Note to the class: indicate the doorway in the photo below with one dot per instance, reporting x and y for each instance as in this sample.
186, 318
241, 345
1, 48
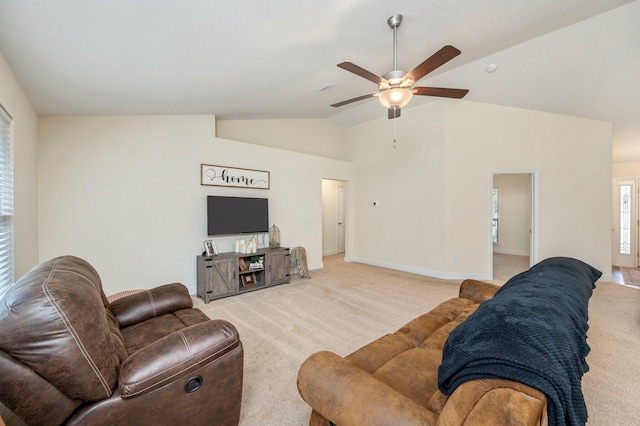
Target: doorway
513, 221
334, 214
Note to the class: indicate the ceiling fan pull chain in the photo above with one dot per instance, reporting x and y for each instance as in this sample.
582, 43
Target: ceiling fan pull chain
394, 134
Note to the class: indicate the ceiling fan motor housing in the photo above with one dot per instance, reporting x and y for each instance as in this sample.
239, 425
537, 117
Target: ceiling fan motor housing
394, 75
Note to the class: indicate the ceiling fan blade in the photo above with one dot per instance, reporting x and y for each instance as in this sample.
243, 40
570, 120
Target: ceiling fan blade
436, 60
440, 92
351, 67
393, 113
359, 98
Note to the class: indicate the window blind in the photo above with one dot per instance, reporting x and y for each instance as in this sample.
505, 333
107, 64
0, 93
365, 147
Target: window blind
6, 201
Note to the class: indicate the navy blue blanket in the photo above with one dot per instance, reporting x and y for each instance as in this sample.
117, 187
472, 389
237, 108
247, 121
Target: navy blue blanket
532, 331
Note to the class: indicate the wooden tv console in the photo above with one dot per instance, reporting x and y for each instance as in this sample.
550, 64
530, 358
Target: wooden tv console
228, 274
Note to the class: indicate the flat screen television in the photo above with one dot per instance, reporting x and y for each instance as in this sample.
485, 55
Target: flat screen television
237, 215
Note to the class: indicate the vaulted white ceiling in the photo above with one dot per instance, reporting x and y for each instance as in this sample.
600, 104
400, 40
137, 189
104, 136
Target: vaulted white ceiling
263, 59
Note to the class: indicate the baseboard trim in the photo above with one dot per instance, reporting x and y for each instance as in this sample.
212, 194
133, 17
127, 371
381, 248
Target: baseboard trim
414, 270
423, 271
314, 266
514, 252
606, 278
438, 274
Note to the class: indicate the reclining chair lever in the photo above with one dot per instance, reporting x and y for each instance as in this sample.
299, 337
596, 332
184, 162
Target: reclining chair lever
193, 384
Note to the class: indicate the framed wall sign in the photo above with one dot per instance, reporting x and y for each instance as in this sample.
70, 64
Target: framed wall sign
233, 177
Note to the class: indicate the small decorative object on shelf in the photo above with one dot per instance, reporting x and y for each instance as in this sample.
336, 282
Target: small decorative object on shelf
242, 265
249, 280
210, 248
274, 236
257, 262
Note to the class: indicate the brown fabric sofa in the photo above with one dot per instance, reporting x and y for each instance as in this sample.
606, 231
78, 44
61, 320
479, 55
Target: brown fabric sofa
67, 356
394, 379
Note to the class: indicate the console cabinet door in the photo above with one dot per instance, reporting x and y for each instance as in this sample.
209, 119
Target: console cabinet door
278, 267
216, 277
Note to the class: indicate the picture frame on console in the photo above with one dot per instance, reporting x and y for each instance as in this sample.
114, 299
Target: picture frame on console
249, 280
242, 265
210, 248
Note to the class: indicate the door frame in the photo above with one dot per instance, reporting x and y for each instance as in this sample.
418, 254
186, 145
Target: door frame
330, 206
533, 220
341, 207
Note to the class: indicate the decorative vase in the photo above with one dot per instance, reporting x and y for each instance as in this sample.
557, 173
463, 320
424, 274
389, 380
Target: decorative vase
274, 236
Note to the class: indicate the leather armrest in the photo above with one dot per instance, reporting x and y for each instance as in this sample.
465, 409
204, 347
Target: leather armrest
494, 402
478, 291
175, 356
148, 304
347, 395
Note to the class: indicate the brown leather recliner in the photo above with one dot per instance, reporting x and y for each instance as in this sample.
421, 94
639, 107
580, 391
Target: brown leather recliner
67, 356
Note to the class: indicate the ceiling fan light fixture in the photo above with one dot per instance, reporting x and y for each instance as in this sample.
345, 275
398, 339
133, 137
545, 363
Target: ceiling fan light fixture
395, 97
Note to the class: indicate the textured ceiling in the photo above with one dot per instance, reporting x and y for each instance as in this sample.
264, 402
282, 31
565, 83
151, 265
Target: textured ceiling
257, 59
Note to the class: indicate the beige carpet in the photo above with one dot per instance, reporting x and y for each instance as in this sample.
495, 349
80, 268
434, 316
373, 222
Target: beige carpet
341, 308
346, 305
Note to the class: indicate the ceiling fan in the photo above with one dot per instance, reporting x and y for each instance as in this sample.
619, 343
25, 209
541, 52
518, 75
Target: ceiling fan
395, 88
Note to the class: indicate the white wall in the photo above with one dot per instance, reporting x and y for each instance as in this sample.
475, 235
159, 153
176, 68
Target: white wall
626, 170
435, 189
405, 230
514, 213
14, 100
124, 193
572, 160
310, 136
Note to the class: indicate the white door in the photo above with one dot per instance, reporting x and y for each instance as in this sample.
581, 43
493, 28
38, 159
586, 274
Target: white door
625, 241
341, 208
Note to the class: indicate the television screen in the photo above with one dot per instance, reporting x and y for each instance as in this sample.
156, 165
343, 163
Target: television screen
237, 215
